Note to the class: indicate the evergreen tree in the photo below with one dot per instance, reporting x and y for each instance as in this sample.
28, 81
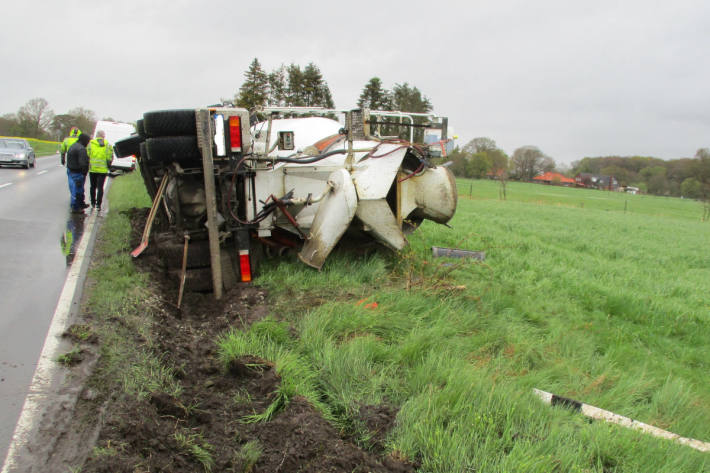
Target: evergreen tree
325, 96
294, 92
254, 92
374, 96
277, 87
315, 91
312, 79
410, 99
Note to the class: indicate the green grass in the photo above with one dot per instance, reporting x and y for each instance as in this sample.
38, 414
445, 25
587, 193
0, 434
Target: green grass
120, 293
597, 296
41, 147
71, 357
641, 204
248, 455
193, 445
576, 296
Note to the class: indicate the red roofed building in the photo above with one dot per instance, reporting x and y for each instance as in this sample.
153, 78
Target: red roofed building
554, 178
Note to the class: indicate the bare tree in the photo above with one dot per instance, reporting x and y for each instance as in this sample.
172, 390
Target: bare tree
528, 161
8, 122
61, 125
480, 144
84, 118
34, 118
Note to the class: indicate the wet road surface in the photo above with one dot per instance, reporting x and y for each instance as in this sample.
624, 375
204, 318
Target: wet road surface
37, 238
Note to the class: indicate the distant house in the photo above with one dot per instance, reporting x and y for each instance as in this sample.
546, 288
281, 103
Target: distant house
631, 189
496, 174
554, 178
595, 181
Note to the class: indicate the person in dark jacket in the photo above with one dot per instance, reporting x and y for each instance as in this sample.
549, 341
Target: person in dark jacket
77, 168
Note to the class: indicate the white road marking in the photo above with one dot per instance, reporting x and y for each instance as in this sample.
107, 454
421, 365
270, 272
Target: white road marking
41, 387
5, 185
41, 172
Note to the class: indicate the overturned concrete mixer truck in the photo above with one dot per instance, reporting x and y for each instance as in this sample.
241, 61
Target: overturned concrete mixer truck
232, 184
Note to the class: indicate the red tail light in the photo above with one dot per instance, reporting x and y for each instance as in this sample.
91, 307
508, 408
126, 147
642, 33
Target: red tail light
235, 133
244, 265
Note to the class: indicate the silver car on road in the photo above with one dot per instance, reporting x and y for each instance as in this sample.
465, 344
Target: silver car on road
16, 152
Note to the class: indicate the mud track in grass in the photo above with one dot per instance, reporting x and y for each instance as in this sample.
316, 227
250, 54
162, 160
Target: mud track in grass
202, 429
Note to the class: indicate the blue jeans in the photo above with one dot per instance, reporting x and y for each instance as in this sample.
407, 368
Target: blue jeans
71, 183
76, 186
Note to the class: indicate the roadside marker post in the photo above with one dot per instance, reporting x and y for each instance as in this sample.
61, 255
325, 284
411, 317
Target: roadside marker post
608, 416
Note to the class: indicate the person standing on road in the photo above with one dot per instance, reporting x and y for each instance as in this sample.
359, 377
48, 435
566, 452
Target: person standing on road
68, 141
100, 154
77, 168
66, 144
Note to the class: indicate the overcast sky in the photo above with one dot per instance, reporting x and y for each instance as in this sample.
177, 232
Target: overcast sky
572, 78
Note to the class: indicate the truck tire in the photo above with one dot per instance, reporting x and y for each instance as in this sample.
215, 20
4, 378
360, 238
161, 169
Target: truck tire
168, 149
128, 146
179, 122
146, 173
196, 280
198, 254
140, 128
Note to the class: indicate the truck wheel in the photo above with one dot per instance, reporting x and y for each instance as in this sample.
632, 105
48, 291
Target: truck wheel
140, 128
146, 173
169, 123
196, 280
128, 146
198, 254
168, 149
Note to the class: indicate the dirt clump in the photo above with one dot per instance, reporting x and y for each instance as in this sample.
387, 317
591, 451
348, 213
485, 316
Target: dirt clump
203, 428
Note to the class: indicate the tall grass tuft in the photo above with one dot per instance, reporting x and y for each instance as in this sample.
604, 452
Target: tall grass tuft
575, 297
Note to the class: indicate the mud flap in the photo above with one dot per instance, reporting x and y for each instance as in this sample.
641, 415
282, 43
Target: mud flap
335, 213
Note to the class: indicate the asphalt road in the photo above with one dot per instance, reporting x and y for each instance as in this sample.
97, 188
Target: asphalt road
34, 241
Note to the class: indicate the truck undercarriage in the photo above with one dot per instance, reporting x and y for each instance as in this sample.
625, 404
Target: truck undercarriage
232, 184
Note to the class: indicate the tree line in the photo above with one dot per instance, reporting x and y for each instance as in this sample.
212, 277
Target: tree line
293, 86
286, 86
481, 158
36, 119
684, 177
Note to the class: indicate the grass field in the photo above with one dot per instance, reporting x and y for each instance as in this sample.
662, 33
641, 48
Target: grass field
598, 296
41, 147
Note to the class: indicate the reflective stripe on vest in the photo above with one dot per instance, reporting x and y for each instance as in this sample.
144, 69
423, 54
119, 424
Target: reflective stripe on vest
100, 154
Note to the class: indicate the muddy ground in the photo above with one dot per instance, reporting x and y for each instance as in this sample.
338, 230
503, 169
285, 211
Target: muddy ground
203, 429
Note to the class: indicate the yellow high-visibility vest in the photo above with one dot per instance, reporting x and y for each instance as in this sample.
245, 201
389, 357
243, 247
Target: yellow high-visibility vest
100, 155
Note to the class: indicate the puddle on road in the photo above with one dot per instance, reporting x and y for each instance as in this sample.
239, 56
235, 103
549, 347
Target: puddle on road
69, 240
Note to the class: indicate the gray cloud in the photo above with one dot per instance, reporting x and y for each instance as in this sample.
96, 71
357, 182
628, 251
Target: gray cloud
573, 79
